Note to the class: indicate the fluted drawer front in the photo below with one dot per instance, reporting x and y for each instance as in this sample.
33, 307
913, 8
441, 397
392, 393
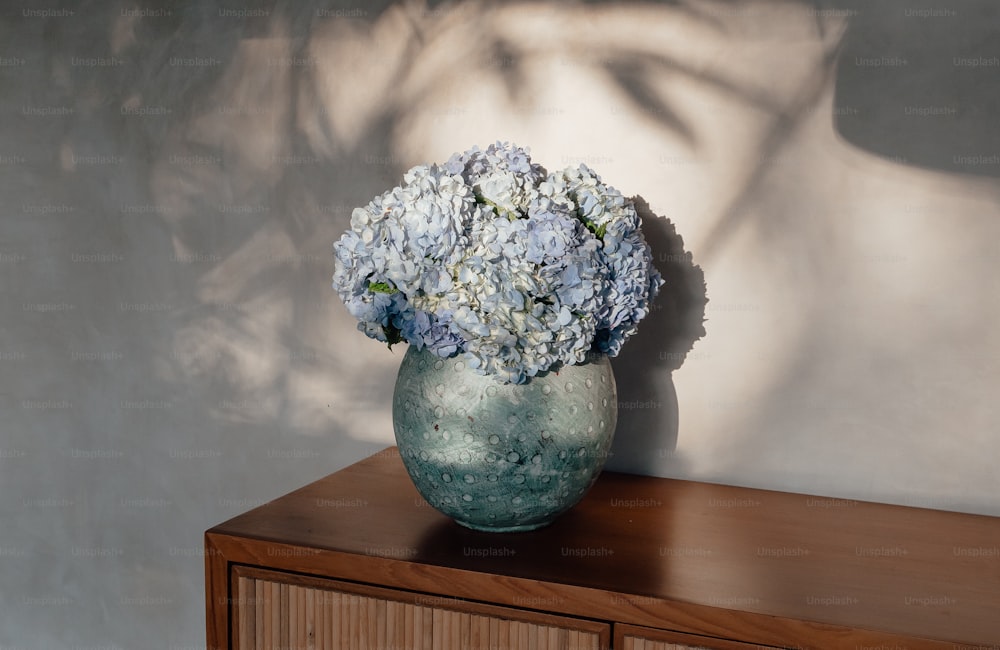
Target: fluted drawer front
634, 637
642, 643
273, 614
639, 643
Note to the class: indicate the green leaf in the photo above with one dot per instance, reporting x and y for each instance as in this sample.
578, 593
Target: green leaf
482, 200
600, 231
381, 287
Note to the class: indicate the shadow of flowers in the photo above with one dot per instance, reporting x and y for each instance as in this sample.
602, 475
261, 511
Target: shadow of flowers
647, 403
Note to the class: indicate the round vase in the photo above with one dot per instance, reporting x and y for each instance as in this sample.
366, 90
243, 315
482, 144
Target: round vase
503, 457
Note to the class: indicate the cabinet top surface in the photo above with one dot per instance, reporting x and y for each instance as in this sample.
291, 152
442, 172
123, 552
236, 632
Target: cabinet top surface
908, 570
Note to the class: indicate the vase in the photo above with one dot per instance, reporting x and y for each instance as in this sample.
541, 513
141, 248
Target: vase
503, 457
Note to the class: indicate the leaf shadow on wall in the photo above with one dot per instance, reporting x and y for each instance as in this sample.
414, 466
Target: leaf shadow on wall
280, 157
916, 83
648, 416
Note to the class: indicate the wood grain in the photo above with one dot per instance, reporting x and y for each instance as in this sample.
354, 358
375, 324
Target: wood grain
640, 638
368, 614
262, 622
274, 630
216, 597
766, 567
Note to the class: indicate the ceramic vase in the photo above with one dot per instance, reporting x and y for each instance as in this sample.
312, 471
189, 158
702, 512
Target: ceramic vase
503, 457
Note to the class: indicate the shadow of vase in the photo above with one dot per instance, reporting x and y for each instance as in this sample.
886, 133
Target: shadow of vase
648, 416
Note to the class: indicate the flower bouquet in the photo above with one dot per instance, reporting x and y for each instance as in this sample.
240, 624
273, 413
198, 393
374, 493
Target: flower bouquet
491, 258
525, 282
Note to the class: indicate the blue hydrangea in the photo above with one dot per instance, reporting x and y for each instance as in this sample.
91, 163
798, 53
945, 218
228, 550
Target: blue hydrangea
490, 258
502, 176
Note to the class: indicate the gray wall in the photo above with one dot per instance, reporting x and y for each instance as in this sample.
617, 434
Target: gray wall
173, 177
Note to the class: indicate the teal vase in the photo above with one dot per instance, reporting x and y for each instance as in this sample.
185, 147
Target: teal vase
503, 457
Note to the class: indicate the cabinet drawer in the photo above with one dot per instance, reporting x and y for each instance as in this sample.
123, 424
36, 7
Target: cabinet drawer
632, 637
272, 610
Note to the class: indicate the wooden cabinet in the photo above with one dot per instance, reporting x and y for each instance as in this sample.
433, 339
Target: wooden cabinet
359, 560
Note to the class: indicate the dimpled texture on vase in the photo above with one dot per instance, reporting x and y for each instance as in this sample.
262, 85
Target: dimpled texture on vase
503, 457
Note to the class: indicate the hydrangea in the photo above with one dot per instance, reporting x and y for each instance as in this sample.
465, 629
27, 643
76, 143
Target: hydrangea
490, 258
